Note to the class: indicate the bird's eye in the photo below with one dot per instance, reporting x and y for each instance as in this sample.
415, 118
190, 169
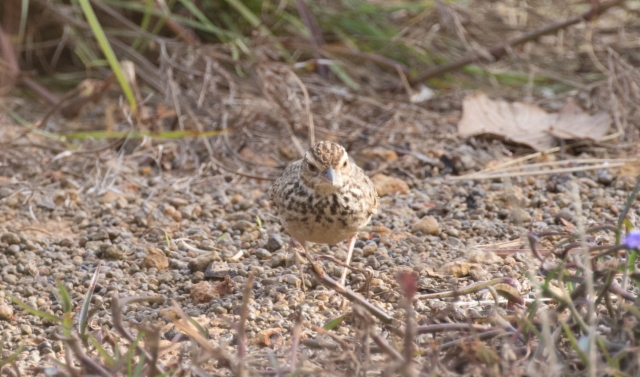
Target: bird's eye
312, 168
345, 164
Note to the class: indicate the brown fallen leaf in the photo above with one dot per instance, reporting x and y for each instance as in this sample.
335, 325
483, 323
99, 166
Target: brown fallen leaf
574, 123
529, 124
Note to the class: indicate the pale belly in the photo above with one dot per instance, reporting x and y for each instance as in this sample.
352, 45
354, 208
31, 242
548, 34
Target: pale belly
324, 231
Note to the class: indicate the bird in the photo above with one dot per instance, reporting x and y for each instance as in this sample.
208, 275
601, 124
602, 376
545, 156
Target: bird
324, 198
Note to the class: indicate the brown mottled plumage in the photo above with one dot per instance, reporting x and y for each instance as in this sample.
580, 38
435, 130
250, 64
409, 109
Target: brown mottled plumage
324, 198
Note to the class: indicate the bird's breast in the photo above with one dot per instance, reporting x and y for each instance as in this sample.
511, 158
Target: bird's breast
324, 219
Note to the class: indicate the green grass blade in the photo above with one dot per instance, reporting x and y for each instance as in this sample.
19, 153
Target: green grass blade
202, 25
138, 371
33, 311
574, 343
109, 361
101, 37
631, 266
84, 312
167, 238
220, 33
255, 22
623, 214
131, 353
24, 12
336, 321
140, 42
10, 359
204, 332
344, 76
23, 122
245, 12
83, 135
65, 299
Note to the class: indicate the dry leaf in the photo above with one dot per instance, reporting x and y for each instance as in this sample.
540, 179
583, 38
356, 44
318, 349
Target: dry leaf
574, 123
527, 123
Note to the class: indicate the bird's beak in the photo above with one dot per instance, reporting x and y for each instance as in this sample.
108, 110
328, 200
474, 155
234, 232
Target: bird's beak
332, 176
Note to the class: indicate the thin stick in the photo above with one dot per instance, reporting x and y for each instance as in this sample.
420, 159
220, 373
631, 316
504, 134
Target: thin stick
541, 153
464, 290
352, 242
442, 327
349, 294
307, 104
386, 347
246, 295
551, 163
543, 172
482, 336
295, 337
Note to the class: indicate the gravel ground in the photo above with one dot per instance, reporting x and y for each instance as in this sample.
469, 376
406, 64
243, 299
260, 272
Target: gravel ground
194, 238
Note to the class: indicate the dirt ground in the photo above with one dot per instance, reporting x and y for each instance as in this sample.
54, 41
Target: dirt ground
160, 224
465, 270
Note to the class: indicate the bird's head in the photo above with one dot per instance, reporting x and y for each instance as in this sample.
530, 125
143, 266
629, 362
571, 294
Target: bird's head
326, 167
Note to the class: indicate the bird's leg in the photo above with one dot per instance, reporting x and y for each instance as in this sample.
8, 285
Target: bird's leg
352, 243
295, 246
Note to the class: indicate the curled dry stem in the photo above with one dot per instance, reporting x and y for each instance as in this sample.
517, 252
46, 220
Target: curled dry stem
117, 308
295, 337
74, 344
183, 324
244, 310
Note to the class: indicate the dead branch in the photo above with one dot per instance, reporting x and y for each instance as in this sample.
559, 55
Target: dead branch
349, 294
497, 52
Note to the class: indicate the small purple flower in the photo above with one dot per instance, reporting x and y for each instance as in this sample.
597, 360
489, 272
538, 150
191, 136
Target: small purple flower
632, 240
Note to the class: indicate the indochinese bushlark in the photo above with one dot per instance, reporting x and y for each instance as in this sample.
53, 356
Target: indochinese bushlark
324, 198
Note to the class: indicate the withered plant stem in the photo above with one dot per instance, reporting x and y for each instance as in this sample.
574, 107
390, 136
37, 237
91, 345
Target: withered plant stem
244, 311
